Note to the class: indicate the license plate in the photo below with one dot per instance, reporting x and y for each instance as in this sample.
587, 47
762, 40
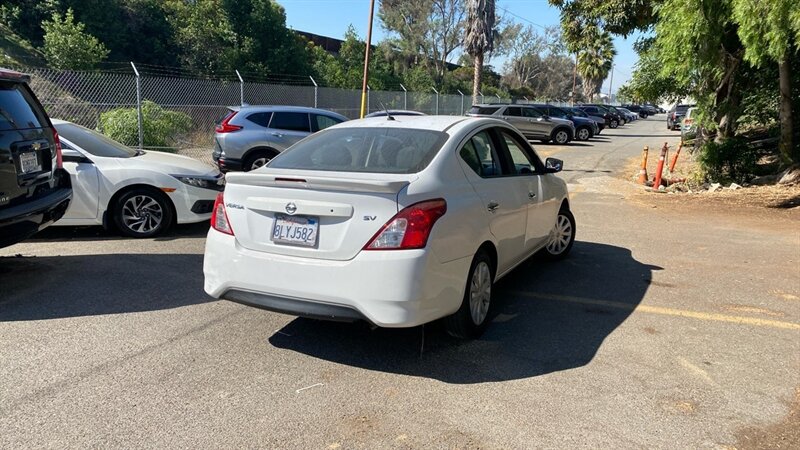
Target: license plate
29, 162
295, 230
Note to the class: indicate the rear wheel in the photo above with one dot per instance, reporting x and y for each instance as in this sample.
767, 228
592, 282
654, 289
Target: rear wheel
471, 319
257, 159
142, 213
583, 134
613, 124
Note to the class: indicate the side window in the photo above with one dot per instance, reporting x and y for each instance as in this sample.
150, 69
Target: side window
557, 112
290, 121
523, 164
320, 122
261, 119
480, 156
531, 113
513, 111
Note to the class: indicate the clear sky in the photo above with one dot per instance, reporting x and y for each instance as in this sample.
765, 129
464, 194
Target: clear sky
332, 17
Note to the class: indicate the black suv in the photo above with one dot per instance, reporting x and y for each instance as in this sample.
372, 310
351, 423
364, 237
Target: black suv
34, 190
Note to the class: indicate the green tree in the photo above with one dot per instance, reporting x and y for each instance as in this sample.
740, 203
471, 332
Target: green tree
204, 36
479, 37
345, 70
596, 52
262, 42
770, 30
68, 46
423, 33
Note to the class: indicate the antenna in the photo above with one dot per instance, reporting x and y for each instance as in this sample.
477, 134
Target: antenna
388, 116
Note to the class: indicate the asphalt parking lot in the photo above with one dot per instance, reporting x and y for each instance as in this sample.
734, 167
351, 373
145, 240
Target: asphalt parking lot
662, 329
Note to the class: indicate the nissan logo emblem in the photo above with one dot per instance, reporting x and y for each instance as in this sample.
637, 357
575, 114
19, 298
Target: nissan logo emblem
291, 208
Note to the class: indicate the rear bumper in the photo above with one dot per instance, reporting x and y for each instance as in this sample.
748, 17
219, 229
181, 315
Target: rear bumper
226, 164
386, 288
20, 222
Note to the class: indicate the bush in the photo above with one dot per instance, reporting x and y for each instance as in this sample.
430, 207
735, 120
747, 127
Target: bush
731, 160
162, 128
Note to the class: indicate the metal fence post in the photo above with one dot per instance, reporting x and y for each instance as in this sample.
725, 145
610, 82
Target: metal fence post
241, 89
462, 101
139, 105
405, 96
316, 88
482, 99
437, 100
368, 89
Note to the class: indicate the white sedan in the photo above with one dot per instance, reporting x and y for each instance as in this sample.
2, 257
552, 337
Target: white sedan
140, 193
396, 222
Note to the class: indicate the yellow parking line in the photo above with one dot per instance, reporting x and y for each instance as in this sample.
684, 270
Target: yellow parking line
666, 311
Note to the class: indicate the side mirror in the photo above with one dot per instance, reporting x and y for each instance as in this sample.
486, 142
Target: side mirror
553, 165
547, 118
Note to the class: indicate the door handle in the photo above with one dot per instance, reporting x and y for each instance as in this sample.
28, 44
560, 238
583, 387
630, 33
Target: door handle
277, 135
492, 206
531, 195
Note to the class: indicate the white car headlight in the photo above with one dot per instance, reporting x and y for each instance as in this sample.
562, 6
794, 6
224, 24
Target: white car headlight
216, 183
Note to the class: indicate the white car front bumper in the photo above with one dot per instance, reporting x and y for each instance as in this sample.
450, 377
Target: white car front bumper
387, 288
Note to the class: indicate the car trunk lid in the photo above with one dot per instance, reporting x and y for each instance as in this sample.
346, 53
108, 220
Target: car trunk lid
344, 210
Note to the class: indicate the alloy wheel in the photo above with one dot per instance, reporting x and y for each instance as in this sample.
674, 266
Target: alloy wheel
142, 214
583, 134
562, 137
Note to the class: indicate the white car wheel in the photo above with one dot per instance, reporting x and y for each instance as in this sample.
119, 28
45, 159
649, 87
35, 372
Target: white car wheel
471, 318
562, 236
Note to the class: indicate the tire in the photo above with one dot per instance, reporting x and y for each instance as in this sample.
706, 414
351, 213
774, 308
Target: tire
257, 159
562, 236
622, 122
613, 124
561, 136
583, 134
142, 213
472, 318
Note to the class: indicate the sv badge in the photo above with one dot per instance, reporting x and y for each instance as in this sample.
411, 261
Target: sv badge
370, 218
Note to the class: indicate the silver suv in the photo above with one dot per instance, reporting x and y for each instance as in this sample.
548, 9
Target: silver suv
530, 121
249, 136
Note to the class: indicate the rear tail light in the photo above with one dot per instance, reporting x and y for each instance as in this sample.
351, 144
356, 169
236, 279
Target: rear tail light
59, 157
409, 228
225, 126
219, 218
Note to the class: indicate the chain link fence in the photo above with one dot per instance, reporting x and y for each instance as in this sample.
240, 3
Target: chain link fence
86, 98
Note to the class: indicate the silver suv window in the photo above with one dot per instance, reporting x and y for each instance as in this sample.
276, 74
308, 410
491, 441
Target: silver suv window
290, 121
261, 118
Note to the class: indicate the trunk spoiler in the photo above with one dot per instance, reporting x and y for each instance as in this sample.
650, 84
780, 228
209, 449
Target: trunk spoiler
372, 182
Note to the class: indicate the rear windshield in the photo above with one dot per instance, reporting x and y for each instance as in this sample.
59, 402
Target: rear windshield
93, 142
371, 150
484, 110
682, 108
17, 109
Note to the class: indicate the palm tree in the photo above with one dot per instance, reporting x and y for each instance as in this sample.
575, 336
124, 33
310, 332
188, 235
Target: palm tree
594, 60
479, 38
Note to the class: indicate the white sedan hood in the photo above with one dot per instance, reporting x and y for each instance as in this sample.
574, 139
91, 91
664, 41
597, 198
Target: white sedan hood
173, 164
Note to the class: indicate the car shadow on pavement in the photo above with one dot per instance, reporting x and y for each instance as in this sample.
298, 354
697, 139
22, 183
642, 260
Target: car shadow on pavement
98, 233
54, 287
547, 317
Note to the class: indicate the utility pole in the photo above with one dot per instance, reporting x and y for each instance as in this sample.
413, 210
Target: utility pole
610, 82
366, 59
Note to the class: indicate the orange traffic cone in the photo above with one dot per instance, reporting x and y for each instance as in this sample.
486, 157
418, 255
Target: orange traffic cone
643, 171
